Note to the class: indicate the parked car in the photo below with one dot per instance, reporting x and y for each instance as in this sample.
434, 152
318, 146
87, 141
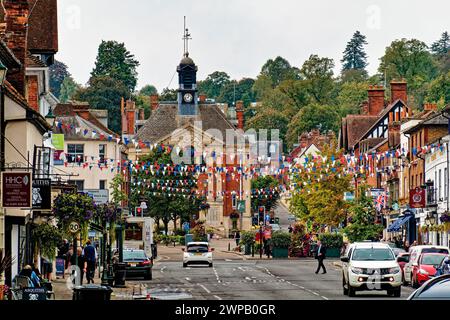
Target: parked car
138, 264
398, 251
425, 268
370, 266
437, 288
402, 259
414, 255
197, 253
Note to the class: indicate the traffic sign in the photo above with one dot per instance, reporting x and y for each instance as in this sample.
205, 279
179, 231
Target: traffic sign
241, 206
74, 227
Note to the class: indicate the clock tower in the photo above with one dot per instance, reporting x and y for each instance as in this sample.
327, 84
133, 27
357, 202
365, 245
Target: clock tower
187, 80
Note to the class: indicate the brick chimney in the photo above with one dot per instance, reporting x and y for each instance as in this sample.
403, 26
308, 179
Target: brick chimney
202, 98
393, 131
82, 110
16, 33
399, 91
33, 92
154, 101
364, 108
240, 114
130, 111
430, 107
141, 114
376, 100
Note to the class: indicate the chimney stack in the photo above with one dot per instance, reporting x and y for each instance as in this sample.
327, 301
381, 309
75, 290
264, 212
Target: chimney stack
376, 100
202, 98
399, 91
141, 114
430, 107
240, 114
364, 108
130, 116
154, 101
16, 34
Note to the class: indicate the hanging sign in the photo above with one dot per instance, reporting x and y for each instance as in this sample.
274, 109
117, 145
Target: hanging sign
417, 198
16, 190
42, 194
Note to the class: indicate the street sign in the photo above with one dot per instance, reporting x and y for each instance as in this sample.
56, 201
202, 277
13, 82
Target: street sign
34, 294
143, 205
16, 190
74, 227
241, 206
100, 196
42, 194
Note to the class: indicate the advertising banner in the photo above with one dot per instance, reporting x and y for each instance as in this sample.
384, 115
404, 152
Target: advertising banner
16, 187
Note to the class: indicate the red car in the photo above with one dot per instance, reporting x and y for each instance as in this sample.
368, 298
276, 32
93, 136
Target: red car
425, 268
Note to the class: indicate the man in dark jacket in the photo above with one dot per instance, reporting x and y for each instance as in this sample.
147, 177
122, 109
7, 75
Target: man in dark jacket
320, 256
90, 255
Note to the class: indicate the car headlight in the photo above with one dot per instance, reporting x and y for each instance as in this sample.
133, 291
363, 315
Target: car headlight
422, 271
394, 270
356, 270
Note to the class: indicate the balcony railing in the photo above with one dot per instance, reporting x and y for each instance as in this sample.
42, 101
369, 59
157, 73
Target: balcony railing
432, 197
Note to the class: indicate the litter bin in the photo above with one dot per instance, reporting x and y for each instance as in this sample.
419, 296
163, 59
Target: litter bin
92, 292
119, 274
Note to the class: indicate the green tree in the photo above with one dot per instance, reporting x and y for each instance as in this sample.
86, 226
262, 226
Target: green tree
439, 90
362, 220
269, 199
117, 194
238, 90
214, 83
318, 75
68, 89
319, 186
350, 97
441, 47
168, 95
105, 93
115, 61
355, 58
57, 73
410, 60
148, 90
311, 117
279, 70
268, 119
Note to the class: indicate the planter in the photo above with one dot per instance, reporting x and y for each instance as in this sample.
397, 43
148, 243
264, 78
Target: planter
280, 253
333, 252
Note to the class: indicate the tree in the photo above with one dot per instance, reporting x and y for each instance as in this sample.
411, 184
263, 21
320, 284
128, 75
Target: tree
350, 97
439, 90
362, 220
355, 58
319, 186
410, 60
269, 199
279, 70
117, 194
311, 117
318, 75
169, 95
441, 47
269, 119
57, 73
68, 89
148, 90
238, 90
214, 83
115, 61
105, 93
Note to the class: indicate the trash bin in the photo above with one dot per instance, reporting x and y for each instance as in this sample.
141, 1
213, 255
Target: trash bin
92, 292
119, 273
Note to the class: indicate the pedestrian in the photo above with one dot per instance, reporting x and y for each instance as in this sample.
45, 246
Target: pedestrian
320, 256
47, 267
406, 246
81, 263
414, 243
27, 271
237, 237
90, 255
290, 229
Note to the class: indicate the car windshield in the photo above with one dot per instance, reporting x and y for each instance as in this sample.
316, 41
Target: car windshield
432, 259
197, 248
435, 250
369, 254
134, 255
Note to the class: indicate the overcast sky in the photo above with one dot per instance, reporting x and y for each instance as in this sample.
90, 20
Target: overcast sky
238, 36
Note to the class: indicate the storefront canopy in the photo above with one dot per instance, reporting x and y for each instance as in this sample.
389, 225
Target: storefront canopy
397, 225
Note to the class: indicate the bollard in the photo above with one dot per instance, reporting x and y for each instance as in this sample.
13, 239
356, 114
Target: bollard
253, 250
229, 246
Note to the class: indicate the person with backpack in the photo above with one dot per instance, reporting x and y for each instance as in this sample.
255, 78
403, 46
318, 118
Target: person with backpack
90, 256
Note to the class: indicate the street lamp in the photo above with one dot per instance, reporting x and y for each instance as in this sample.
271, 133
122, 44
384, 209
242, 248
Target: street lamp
50, 117
3, 72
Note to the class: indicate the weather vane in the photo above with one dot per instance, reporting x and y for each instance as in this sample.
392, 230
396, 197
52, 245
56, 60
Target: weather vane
186, 38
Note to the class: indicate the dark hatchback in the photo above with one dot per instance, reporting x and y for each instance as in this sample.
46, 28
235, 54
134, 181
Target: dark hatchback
434, 289
138, 264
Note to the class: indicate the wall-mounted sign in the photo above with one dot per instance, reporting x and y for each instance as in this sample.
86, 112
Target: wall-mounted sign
58, 143
100, 196
417, 198
16, 189
42, 194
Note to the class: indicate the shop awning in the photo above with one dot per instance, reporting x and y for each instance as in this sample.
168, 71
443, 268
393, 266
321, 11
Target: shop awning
397, 225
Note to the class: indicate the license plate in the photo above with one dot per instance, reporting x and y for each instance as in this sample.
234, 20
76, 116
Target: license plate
198, 254
133, 264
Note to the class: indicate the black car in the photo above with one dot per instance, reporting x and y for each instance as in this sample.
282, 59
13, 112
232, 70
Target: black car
138, 264
434, 289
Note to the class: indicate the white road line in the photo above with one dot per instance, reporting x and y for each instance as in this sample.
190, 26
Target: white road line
206, 289
217, 297
188, 279
240, 268
162, 269
324, 298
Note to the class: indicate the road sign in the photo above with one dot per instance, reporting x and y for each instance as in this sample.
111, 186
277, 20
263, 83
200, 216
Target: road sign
42, 194
241, 206
100, 196
349, 196
74, 227
143, 205
395, 206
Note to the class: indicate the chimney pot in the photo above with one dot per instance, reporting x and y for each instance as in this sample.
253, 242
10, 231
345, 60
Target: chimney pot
154, 101
202, 98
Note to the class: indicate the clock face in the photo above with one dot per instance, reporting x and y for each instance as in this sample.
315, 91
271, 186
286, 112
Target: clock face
188, 97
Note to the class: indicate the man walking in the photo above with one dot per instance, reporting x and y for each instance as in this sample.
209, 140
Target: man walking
90, 255
320, 256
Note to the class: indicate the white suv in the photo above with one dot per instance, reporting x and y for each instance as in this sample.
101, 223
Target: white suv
197, 253
370, 266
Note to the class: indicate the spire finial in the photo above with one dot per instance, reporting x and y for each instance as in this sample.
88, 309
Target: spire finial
186, 38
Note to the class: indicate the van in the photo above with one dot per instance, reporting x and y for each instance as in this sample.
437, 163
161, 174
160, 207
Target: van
414, 254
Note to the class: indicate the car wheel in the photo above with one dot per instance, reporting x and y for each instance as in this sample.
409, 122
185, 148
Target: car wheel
148, 276
351, 291
398, 292
184, 265
344, 289
210, 265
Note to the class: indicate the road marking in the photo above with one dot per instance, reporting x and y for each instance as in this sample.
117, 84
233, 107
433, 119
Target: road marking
162, 269
228, 260
217, 297
242, 269
188, 279
206, 289
325, 298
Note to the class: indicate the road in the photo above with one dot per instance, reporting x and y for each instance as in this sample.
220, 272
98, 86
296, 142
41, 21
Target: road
236, 279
